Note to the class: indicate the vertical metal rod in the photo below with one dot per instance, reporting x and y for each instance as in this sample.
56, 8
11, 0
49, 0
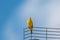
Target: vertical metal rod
31, 35
23, 33
46, 33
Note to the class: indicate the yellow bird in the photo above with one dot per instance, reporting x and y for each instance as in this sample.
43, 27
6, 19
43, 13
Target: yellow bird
30, 23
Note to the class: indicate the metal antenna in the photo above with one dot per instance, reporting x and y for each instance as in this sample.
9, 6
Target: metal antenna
46, 33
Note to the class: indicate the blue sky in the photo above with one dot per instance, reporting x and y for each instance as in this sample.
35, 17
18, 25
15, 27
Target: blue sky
14, 14
7, 17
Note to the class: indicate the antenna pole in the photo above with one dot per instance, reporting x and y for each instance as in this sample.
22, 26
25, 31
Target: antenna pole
46, 33
31, 35
23, 33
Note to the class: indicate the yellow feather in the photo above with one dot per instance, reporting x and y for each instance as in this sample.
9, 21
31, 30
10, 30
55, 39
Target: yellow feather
30, 23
